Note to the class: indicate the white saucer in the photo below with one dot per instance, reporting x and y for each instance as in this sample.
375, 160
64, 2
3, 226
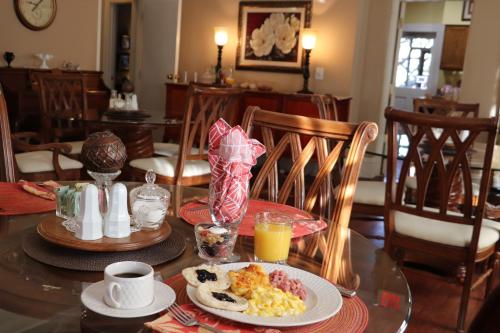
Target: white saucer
92, 298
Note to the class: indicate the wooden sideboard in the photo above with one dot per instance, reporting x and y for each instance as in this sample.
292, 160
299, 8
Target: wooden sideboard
299, 104
22, 99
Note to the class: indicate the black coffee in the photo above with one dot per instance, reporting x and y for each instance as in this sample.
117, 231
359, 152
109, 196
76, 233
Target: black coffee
129, 275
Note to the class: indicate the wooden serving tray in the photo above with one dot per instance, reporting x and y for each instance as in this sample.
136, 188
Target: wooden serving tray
52, 230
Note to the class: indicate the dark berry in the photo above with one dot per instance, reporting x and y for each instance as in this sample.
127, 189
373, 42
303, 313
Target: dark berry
209, 250
223, 297
204, 275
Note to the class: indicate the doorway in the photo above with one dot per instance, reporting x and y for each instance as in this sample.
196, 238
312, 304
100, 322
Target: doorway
417, 63
118, 42
429, 50
140, 43
158, 37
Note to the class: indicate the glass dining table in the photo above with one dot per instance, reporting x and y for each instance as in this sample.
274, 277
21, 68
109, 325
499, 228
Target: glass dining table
136, 132
35, 297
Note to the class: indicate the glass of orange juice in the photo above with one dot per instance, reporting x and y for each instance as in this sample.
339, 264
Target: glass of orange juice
273, 232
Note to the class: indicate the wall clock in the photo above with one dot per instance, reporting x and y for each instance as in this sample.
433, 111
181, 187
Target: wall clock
36, 14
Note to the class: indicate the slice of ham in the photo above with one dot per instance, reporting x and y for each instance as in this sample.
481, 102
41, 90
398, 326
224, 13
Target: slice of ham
37, 190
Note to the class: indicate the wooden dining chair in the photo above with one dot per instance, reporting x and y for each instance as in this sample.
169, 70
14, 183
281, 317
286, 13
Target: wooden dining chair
32, 162
445, 107
282, 133
369, 198
430, 226
327, 106
63, 101
204, 106
330, 106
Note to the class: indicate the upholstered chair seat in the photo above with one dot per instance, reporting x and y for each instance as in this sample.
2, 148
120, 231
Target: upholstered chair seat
166, 149
165, 166
442, 232
370, 192
41, 161
76, 147
169, 149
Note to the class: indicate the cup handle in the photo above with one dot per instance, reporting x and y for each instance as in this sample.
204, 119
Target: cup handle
109, 294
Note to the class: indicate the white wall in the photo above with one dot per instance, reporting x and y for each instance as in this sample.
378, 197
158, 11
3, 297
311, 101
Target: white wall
482, 58
335, 20
375, 57
73, 36
157, 51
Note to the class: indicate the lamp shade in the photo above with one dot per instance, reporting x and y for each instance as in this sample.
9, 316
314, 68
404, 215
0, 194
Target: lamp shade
220, 36
308, 39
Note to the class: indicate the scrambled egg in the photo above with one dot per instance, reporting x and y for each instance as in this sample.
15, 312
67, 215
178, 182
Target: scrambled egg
269, 302
245, 280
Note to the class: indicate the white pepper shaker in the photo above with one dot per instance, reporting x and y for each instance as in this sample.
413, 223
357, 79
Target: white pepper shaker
117, 219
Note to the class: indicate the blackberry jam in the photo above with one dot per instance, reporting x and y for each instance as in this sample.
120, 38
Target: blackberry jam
204, 275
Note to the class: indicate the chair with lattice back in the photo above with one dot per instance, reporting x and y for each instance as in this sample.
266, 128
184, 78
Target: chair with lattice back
63, 100
326, 143
204, 106
433, 224
21, 159
445, 107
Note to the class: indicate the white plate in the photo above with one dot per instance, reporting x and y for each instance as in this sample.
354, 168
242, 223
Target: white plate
323, 299
92, 298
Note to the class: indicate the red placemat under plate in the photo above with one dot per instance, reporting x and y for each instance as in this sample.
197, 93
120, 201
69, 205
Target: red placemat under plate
197, 212
15, 201
352, 317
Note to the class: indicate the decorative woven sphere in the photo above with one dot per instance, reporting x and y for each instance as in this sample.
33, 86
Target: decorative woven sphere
103, 152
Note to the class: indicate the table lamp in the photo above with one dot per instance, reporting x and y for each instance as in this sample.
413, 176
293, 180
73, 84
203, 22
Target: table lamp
308, 43
221, 38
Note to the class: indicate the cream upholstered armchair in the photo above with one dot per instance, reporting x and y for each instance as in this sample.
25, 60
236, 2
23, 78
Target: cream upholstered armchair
32, 162
369, 197
63, 101
433, 225
204, 105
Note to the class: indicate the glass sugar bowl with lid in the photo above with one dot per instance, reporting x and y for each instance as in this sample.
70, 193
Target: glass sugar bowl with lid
149, 203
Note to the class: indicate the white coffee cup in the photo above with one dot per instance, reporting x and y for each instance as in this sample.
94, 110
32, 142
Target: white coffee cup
128, 285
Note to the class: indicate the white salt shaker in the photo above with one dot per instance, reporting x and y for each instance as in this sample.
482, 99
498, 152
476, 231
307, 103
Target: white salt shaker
117, 219
89, 220
134, 103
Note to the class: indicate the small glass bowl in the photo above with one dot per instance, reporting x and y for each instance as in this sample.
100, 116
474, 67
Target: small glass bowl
149, 203
215, 243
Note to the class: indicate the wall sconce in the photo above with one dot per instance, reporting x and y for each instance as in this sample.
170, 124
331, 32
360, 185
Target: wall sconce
308, 43
221, 38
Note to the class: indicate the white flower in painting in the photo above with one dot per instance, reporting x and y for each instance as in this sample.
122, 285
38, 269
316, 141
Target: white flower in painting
276, 19
267, 27
285, 38
295, 23
262, 42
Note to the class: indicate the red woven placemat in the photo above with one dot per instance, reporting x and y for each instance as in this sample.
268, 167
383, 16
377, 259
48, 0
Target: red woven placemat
15, 201
197, 212
352, 317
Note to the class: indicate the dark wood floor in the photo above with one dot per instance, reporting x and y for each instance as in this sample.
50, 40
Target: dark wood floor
435, 300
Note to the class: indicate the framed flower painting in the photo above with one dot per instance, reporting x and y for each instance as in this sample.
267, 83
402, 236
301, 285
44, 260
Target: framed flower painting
269, 35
